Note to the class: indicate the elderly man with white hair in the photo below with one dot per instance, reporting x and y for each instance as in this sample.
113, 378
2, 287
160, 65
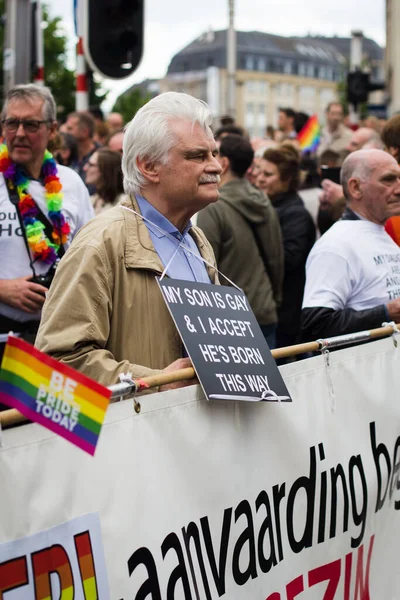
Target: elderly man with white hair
353, 271
105, 314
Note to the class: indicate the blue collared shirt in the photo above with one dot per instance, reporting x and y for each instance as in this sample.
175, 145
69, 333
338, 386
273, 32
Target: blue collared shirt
185, 265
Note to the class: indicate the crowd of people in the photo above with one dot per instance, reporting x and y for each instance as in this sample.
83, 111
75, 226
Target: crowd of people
315, 257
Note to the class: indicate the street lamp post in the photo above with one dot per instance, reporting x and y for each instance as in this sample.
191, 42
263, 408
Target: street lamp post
231, 62
17, 49
355, 63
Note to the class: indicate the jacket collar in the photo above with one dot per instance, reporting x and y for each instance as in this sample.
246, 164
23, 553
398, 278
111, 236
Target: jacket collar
349, 215
139, 249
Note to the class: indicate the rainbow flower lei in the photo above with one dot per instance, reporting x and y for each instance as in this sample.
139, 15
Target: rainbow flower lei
42, 248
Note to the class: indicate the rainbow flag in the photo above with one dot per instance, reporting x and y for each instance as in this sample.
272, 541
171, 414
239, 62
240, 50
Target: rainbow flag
310, 135
393, 228
53, 394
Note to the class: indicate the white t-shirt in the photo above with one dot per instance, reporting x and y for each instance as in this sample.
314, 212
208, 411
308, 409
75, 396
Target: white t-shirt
77, 210
355, 264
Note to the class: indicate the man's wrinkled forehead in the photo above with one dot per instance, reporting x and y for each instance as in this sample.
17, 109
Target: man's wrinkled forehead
25, 106
385, 169
187, 131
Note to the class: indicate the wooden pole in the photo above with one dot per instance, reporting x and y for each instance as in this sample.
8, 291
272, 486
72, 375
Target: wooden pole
13, 416
172, 377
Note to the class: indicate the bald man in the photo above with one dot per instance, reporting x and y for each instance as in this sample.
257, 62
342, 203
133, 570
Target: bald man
364, 138
353, 271
115, 121
115, 141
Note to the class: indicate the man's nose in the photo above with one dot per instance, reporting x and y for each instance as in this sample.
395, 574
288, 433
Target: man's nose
20, 130
215, 165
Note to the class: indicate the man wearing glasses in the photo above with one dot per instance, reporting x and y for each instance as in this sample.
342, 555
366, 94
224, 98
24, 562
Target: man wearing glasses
42, 206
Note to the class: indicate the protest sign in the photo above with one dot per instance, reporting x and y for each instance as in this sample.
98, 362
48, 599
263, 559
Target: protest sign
66, 561
224, 341
53, 394
230, 500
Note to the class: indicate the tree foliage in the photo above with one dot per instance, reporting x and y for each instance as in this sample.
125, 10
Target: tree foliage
129, 103
58, 77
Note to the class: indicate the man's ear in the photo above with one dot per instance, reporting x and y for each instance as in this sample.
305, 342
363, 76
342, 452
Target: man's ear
224, 162
148, 169
354, 188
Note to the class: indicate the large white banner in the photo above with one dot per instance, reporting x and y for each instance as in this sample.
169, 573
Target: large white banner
197, 499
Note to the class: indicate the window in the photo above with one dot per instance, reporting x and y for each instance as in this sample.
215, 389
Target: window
249, 63
275, 66
307, 92
286, 90
287, 67
310, 70
329, 73
307, 99
302, 69
327, 95
261, 64
249, 119
378, 73
322, 73
250, 86
263, 87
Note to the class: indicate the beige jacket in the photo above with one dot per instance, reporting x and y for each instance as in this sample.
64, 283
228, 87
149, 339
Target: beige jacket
104, 314
337, 141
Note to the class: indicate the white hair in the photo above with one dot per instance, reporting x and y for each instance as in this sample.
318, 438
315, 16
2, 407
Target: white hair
149, 134
359, 165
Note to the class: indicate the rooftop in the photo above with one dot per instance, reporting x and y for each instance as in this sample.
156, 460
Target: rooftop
333, 51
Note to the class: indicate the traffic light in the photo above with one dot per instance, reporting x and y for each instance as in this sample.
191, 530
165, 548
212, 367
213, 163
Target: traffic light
113, 38
359, 87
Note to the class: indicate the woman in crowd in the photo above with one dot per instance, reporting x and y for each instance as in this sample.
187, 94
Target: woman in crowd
279, 178
104, 171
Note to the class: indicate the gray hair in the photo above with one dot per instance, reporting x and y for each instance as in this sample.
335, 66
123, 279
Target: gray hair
29, 92
149, 134
357, 165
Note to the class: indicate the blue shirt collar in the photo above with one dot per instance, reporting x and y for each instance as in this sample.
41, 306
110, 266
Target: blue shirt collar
152, 214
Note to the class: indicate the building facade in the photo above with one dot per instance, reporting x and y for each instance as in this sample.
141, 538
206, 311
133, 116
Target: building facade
272, 72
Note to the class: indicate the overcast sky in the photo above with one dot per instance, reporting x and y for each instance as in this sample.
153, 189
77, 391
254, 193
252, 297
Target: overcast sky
170, 25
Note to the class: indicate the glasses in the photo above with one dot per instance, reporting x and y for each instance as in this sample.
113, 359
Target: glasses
29, 125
